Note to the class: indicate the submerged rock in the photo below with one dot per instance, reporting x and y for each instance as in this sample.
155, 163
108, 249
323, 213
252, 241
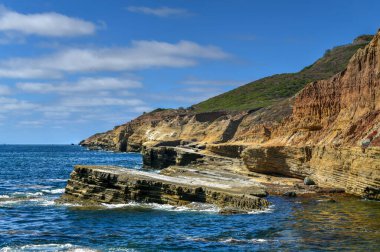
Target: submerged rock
230, 210
290, 194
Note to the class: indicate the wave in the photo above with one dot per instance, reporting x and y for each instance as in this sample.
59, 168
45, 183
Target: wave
228, 240
192, 207
240, 241
55, 191
47, 247
41, 198
270, 209
37, 201
27, 194
57, 180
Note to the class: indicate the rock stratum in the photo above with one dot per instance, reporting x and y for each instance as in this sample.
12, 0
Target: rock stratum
328, 132
91, 184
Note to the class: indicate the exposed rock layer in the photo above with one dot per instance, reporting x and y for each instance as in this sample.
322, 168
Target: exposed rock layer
347, 168
92, 185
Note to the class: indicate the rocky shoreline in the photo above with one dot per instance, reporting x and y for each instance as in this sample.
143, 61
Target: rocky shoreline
328, 133
186, 176
114, 185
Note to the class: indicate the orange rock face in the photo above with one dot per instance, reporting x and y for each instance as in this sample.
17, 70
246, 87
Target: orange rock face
342, 110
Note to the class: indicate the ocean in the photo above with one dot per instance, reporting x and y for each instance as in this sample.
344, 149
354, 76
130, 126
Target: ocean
33, 176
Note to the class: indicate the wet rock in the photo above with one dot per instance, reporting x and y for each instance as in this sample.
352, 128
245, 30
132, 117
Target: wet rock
372, 193
290, 194
308, 181
331, 200
230, 210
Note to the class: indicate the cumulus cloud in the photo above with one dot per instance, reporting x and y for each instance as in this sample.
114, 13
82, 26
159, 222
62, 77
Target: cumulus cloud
84, 85
4, 90
140, 55
159, 12
44, 24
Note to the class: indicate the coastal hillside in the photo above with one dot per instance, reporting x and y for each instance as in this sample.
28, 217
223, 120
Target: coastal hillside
330, 131
253, 125
267, 91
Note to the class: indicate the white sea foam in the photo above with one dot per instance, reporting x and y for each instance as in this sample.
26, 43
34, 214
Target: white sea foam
56, 180
237, 241
229, 240
47, 247
25, 200
192, 207
27, 194
55, 191
4, 196
270, 209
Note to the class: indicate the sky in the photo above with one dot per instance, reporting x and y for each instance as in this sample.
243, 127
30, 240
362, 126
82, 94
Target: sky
69, 68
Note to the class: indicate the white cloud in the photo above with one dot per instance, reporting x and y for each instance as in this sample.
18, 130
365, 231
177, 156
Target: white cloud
5, 90
159, 12
140, 55
32, 123
84, 85
44, 24
11, 104
100, 101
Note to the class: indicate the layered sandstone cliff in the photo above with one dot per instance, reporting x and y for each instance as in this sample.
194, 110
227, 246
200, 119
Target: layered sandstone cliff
329, 131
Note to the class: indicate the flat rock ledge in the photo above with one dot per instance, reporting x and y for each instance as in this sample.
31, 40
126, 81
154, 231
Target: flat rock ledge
93, 185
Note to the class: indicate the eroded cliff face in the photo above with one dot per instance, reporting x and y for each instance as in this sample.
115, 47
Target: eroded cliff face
330, 130
343, 110
332, 134
170, 126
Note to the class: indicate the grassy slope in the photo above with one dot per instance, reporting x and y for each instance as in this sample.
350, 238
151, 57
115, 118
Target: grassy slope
267, 91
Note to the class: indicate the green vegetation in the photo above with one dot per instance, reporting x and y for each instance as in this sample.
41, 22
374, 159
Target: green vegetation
266, 91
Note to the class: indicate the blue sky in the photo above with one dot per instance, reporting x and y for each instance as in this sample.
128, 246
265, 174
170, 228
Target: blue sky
72, 68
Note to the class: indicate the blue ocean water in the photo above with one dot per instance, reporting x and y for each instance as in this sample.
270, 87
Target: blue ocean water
32, 176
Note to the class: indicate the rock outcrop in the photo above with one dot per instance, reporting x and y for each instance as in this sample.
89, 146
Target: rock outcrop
114, 185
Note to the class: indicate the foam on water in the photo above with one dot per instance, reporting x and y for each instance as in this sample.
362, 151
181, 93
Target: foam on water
270, 209
47, 247
55, 191
192, 207
56, 180
237, 241
229, 240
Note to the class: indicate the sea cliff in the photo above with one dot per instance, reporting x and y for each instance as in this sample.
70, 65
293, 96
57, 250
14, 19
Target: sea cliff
328, 132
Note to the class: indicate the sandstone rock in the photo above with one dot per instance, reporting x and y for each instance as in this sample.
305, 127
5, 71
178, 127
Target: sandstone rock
100, 184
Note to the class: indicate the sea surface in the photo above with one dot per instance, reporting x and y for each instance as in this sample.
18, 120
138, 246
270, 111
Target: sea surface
33, 176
